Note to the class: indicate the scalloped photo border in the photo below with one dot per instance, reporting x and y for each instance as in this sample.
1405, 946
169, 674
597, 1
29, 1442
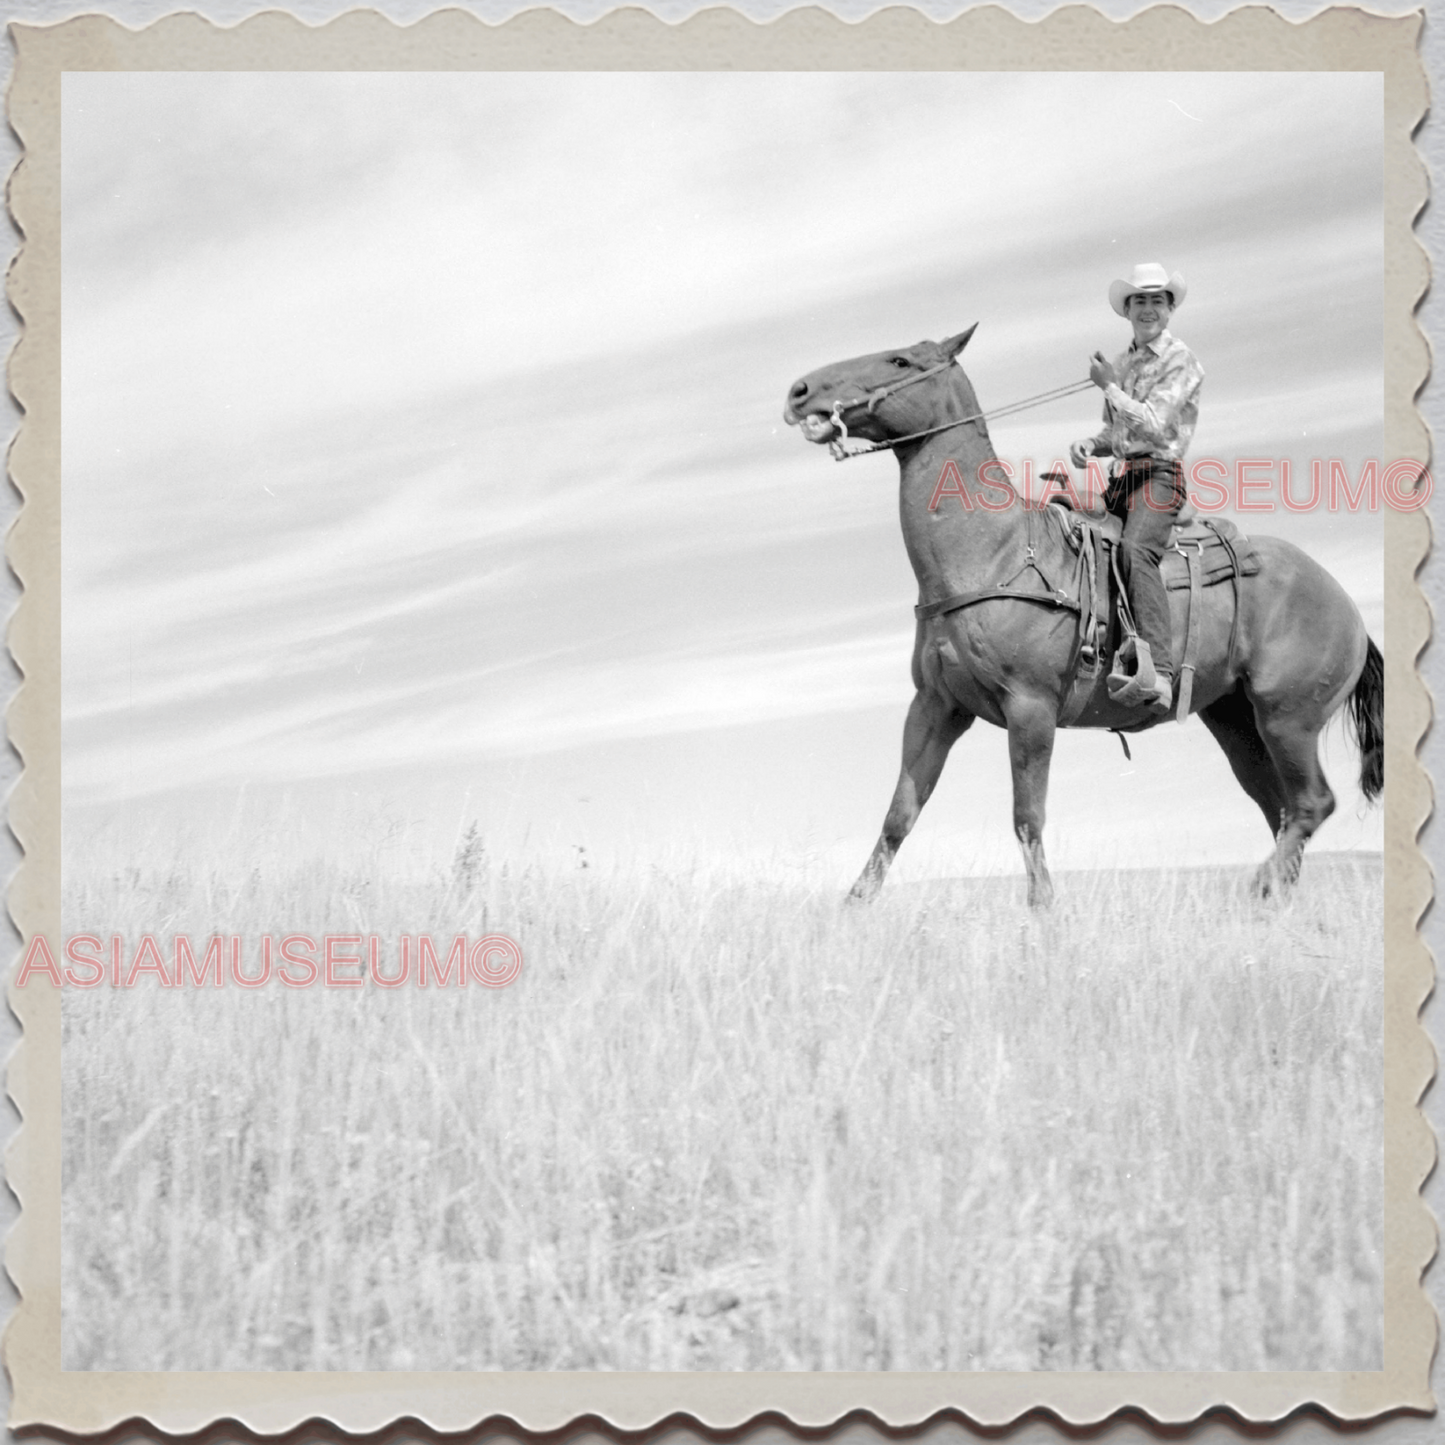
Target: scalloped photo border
1075, 38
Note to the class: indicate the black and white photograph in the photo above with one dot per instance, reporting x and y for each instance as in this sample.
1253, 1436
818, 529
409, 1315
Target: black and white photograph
722, 721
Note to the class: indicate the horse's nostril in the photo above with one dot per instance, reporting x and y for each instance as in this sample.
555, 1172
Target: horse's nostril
799, 391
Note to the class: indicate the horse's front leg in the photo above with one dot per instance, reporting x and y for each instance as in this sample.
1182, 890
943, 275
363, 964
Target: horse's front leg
1031, 723
933, 726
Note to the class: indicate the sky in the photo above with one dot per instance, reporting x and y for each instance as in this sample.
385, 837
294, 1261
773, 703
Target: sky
423, 458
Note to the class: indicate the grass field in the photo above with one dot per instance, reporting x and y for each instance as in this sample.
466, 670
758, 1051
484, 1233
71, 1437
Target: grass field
730, 1124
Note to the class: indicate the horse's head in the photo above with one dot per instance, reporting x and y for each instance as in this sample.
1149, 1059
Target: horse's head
889, 394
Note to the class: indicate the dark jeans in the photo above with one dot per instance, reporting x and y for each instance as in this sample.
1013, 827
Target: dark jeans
1148, 497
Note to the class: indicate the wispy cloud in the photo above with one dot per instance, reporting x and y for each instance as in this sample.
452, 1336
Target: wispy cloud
533, 705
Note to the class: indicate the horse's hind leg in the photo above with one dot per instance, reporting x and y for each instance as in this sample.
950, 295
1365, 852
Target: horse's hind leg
1275, 756
932, 728
1231, 722
1293, 741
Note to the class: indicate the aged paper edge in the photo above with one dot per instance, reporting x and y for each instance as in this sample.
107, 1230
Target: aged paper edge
1076, 38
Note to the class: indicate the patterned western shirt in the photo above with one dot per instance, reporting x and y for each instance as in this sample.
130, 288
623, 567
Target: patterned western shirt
1154, 406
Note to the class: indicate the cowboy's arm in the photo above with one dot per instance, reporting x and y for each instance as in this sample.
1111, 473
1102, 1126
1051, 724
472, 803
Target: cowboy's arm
1086, 447
1155, 415
1100, 445
1102, 441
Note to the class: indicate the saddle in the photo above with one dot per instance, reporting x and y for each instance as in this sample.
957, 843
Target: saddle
1201, 552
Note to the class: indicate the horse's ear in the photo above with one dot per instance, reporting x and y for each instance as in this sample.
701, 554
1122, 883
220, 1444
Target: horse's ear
952, 345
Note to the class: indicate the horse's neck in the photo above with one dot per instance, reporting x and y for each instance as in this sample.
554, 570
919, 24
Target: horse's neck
955, 523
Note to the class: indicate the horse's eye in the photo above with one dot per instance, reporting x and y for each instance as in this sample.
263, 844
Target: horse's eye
902, 361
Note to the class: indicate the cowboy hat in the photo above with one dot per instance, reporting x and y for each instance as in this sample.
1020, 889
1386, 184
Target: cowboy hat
1148, 276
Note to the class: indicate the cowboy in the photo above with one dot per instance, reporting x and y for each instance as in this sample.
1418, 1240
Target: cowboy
1151, 403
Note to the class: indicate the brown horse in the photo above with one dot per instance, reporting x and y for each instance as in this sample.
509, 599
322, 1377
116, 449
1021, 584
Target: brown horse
1267, 681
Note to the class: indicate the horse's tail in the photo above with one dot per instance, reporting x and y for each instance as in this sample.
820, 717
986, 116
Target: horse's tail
1367, 717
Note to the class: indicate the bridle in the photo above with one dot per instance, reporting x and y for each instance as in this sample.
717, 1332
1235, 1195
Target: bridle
841, 454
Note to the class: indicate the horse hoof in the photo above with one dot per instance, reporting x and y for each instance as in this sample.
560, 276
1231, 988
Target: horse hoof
1269, 882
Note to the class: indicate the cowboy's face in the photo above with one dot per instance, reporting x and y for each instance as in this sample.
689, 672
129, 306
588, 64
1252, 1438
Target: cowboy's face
1148, 313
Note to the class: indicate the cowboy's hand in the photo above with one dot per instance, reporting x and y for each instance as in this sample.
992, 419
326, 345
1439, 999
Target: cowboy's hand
1080, 452
1101, 371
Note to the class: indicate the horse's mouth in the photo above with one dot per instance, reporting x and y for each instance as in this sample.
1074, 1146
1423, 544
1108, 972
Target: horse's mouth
816, 427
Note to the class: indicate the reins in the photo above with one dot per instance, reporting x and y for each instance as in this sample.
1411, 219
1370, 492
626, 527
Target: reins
840, 454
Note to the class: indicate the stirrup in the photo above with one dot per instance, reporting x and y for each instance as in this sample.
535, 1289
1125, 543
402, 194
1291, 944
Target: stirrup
1132, 687
1144, 686
1131, 693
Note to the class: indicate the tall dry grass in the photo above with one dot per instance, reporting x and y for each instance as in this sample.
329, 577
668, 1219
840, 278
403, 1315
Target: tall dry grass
721, 1124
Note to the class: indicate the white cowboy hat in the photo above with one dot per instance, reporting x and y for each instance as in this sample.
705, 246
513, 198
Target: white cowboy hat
1148, 276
